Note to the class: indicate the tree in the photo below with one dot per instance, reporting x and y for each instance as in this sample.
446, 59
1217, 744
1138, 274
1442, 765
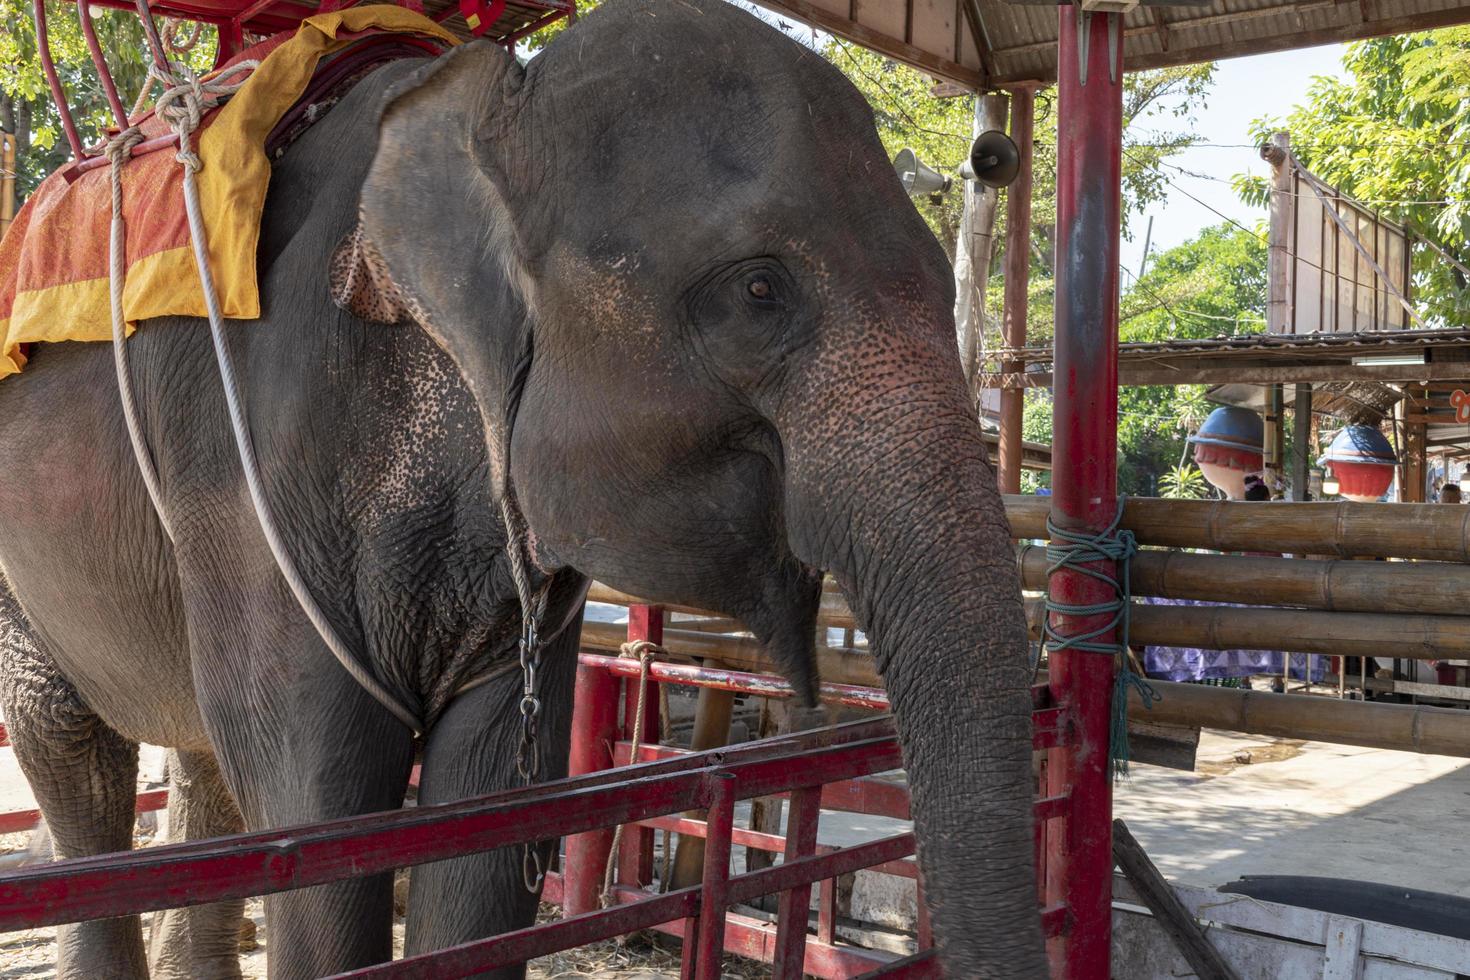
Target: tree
1395, 136
26, 106
1212, 285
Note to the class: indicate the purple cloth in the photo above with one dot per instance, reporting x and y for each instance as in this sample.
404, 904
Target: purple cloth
1194, 664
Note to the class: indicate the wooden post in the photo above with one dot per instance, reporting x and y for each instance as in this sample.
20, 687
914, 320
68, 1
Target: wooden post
1278, 270
972, 250
711, 731
7, 181
1412, 467
1273, 461
1017, 286
1301, 438
1168, 911
765, 811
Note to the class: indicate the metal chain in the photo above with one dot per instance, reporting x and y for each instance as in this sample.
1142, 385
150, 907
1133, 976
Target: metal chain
533, 610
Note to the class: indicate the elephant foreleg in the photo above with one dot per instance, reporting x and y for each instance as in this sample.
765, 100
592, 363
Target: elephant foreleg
202, 942
472, 751
84, 777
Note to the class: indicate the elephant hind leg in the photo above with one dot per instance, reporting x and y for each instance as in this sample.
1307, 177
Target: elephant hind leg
201, 942
84, 777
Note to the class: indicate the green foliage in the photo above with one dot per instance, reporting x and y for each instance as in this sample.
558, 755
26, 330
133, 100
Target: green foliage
26, 107
1212, 285
1395, 135
1184, 483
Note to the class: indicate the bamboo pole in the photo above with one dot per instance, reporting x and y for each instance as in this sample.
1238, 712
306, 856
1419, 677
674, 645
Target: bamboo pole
738, 652
1351, 634
1296, 630
833, 611
1407, 728
1342, 528
1402, 727
1437, 588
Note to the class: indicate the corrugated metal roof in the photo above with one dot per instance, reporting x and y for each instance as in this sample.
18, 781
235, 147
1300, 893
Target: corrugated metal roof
1018, 41
1328, 344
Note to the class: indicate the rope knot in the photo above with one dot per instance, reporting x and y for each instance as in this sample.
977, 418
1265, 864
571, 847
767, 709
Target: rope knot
187, 98
1078, 551
119, 147
642, 651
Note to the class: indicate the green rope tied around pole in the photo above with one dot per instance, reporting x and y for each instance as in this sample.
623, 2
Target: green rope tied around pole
1078, 551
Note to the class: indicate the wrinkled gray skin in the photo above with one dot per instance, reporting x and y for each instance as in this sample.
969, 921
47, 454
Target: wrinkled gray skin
667, 274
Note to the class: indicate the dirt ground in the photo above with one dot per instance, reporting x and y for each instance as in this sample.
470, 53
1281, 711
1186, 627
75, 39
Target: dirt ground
31, 955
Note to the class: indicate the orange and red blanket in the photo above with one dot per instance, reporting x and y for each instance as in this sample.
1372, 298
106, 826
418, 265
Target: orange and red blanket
54, 258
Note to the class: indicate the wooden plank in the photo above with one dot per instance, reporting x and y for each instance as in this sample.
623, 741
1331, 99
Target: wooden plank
1141, 951
1160, 899
1344, 941
1380, 940
895, 48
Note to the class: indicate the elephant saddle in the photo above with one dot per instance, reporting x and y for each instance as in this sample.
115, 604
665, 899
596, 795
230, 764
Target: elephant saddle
54, 260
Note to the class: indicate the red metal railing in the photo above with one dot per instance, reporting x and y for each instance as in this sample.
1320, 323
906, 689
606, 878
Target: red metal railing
597, 745
234, 19
828, 768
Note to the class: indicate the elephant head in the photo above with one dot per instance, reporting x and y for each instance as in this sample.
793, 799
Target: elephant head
712, 345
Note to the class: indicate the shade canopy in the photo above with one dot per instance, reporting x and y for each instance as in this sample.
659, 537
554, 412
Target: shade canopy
980, 43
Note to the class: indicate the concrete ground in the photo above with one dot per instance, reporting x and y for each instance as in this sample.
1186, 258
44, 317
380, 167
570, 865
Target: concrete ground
1254, 806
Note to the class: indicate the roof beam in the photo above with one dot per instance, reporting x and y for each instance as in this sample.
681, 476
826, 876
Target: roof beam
981, 37
1180, 52
892, 47
1216, 371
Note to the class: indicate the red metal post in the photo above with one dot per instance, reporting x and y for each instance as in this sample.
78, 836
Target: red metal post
789, 955
594, 729
99, 61
1084, 476
635, 862
715, 898
58, 94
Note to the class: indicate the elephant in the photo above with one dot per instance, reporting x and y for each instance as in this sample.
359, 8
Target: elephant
660, 289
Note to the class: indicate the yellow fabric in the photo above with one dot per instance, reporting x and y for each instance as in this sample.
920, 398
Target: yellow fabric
232, 189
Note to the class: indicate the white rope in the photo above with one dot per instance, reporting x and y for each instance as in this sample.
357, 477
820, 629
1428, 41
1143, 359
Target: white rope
185, 100
120, 149
643, 651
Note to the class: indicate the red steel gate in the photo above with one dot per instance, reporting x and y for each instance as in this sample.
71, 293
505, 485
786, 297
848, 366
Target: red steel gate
829, 768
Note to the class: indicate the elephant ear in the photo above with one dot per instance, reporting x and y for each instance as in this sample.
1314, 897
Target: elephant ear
361, 284
440, 238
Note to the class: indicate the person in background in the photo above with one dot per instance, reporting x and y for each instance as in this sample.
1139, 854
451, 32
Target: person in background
1256, 487
1449, 493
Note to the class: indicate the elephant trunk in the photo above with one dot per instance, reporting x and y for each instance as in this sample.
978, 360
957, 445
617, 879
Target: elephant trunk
899, 503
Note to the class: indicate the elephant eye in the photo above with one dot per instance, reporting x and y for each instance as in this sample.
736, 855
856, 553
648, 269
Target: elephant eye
762, 293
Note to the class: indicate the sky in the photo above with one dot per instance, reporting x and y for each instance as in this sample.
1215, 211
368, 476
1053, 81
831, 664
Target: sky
1244, 90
